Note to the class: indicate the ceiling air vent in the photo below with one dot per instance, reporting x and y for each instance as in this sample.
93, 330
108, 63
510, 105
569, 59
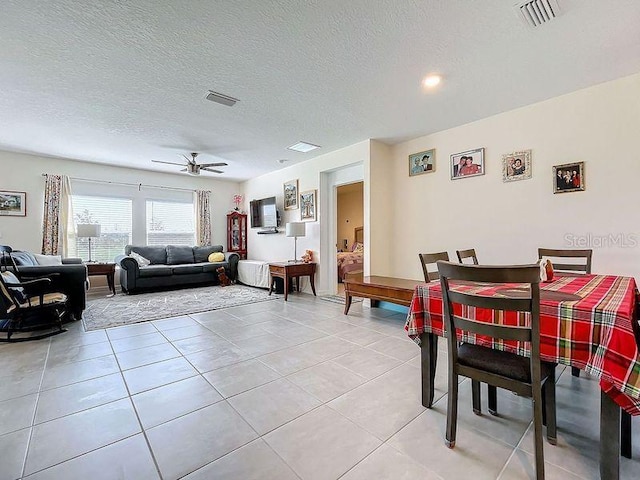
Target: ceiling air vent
537, 12
222, 99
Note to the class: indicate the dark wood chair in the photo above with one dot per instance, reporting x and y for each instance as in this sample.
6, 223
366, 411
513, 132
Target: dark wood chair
431, 259
470, 253
30, 306
523, 376
583, 266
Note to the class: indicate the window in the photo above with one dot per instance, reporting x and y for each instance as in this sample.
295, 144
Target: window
170, 223
114, 215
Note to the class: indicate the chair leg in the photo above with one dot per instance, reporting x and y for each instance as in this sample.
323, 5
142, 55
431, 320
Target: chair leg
492, 393
537, 428
625, 434
452, 411
575, 371
475, 396
549, 408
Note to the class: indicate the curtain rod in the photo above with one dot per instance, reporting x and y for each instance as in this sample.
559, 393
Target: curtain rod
139, 185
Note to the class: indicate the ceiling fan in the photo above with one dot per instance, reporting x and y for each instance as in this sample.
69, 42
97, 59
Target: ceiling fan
193, 168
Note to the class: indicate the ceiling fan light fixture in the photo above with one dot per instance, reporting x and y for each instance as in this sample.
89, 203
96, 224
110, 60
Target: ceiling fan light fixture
303, 147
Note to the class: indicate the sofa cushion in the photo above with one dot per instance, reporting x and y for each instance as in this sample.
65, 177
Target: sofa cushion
156, 271
209, 267
156, 255
201, 254
179, 254
24, 259
186, 269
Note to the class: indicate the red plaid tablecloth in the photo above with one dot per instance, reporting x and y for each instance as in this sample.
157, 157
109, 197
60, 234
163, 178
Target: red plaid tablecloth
585, 322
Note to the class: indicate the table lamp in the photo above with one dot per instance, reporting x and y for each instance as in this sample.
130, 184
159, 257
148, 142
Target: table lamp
88, 230
295, 230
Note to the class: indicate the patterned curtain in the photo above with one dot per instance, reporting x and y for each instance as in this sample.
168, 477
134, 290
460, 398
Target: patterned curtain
57, 224
203, 217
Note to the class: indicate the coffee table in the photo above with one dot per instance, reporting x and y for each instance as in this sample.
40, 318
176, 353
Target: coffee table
387, 289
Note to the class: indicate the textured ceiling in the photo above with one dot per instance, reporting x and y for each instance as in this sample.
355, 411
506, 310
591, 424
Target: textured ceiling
123, 81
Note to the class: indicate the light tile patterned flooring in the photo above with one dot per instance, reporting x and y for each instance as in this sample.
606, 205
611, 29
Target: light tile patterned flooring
268, 391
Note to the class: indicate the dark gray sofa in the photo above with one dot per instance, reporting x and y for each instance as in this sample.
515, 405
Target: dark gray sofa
172, 265
69, 278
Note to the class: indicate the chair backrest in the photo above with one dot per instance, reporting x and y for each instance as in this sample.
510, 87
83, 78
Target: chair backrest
584, 266
431, 259
528, 274
470, 253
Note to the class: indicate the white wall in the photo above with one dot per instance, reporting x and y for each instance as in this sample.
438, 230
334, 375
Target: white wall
507, 222
278, 247
24, 173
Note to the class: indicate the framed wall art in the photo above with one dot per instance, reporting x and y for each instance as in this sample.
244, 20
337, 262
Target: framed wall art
422, 162
568, 178
308, 206
13, 204
291, 195
467, 164
516, 166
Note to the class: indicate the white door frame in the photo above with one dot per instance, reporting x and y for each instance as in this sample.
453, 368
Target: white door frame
330, 180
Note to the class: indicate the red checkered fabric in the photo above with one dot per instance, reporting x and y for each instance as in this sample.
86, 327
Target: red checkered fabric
586, 321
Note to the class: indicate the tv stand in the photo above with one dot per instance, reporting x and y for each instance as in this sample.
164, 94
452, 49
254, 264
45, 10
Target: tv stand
268, 231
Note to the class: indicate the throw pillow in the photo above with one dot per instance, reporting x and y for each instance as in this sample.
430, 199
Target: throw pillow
358, 247
48, 259
8, 279
142, 262
216, 257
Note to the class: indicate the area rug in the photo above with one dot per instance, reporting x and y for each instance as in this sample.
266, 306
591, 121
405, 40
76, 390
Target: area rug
127, 309
340, 299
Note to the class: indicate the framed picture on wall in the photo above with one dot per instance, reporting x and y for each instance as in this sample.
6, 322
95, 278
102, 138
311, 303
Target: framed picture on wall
467, 164
291, 195
568, 178
308, 206
422, 162
13, 204
516, 166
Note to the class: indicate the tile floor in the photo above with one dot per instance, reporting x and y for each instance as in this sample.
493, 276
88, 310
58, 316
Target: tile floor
268, 391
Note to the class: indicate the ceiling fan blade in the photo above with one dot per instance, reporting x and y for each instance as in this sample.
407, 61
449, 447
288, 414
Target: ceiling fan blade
168, 163
219, 164
183, 170
188, 160
211, 170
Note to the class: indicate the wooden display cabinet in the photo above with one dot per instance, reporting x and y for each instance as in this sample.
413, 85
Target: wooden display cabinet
237, 234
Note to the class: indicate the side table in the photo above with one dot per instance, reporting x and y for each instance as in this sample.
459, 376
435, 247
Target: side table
107, 269
289, 270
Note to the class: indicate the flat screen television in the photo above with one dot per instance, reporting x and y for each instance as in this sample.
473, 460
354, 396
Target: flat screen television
264, 213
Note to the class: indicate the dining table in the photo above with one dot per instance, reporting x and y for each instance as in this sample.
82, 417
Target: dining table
586, 321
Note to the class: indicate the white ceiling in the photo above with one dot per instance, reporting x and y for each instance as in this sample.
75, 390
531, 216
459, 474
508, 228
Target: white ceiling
123, 81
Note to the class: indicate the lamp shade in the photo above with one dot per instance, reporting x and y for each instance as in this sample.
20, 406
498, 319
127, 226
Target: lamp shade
91, 230
295, 229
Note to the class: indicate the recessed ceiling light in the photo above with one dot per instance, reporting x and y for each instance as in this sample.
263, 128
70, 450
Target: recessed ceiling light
431, 81
303, 147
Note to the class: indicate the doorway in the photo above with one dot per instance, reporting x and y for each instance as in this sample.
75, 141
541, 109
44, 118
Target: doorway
350, 230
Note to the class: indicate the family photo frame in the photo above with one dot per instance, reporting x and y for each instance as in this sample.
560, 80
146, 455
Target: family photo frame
568, 177
422, 162
13, 204
516, 166
467, 164
291, 195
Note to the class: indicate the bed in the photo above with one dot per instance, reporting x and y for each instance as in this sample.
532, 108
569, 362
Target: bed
352, 261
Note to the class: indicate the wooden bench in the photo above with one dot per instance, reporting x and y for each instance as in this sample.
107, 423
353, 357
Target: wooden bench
387, 289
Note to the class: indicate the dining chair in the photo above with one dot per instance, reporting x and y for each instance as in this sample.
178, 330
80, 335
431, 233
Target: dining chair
431, 259
522, 375
583, 266
470, 253
492, 392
